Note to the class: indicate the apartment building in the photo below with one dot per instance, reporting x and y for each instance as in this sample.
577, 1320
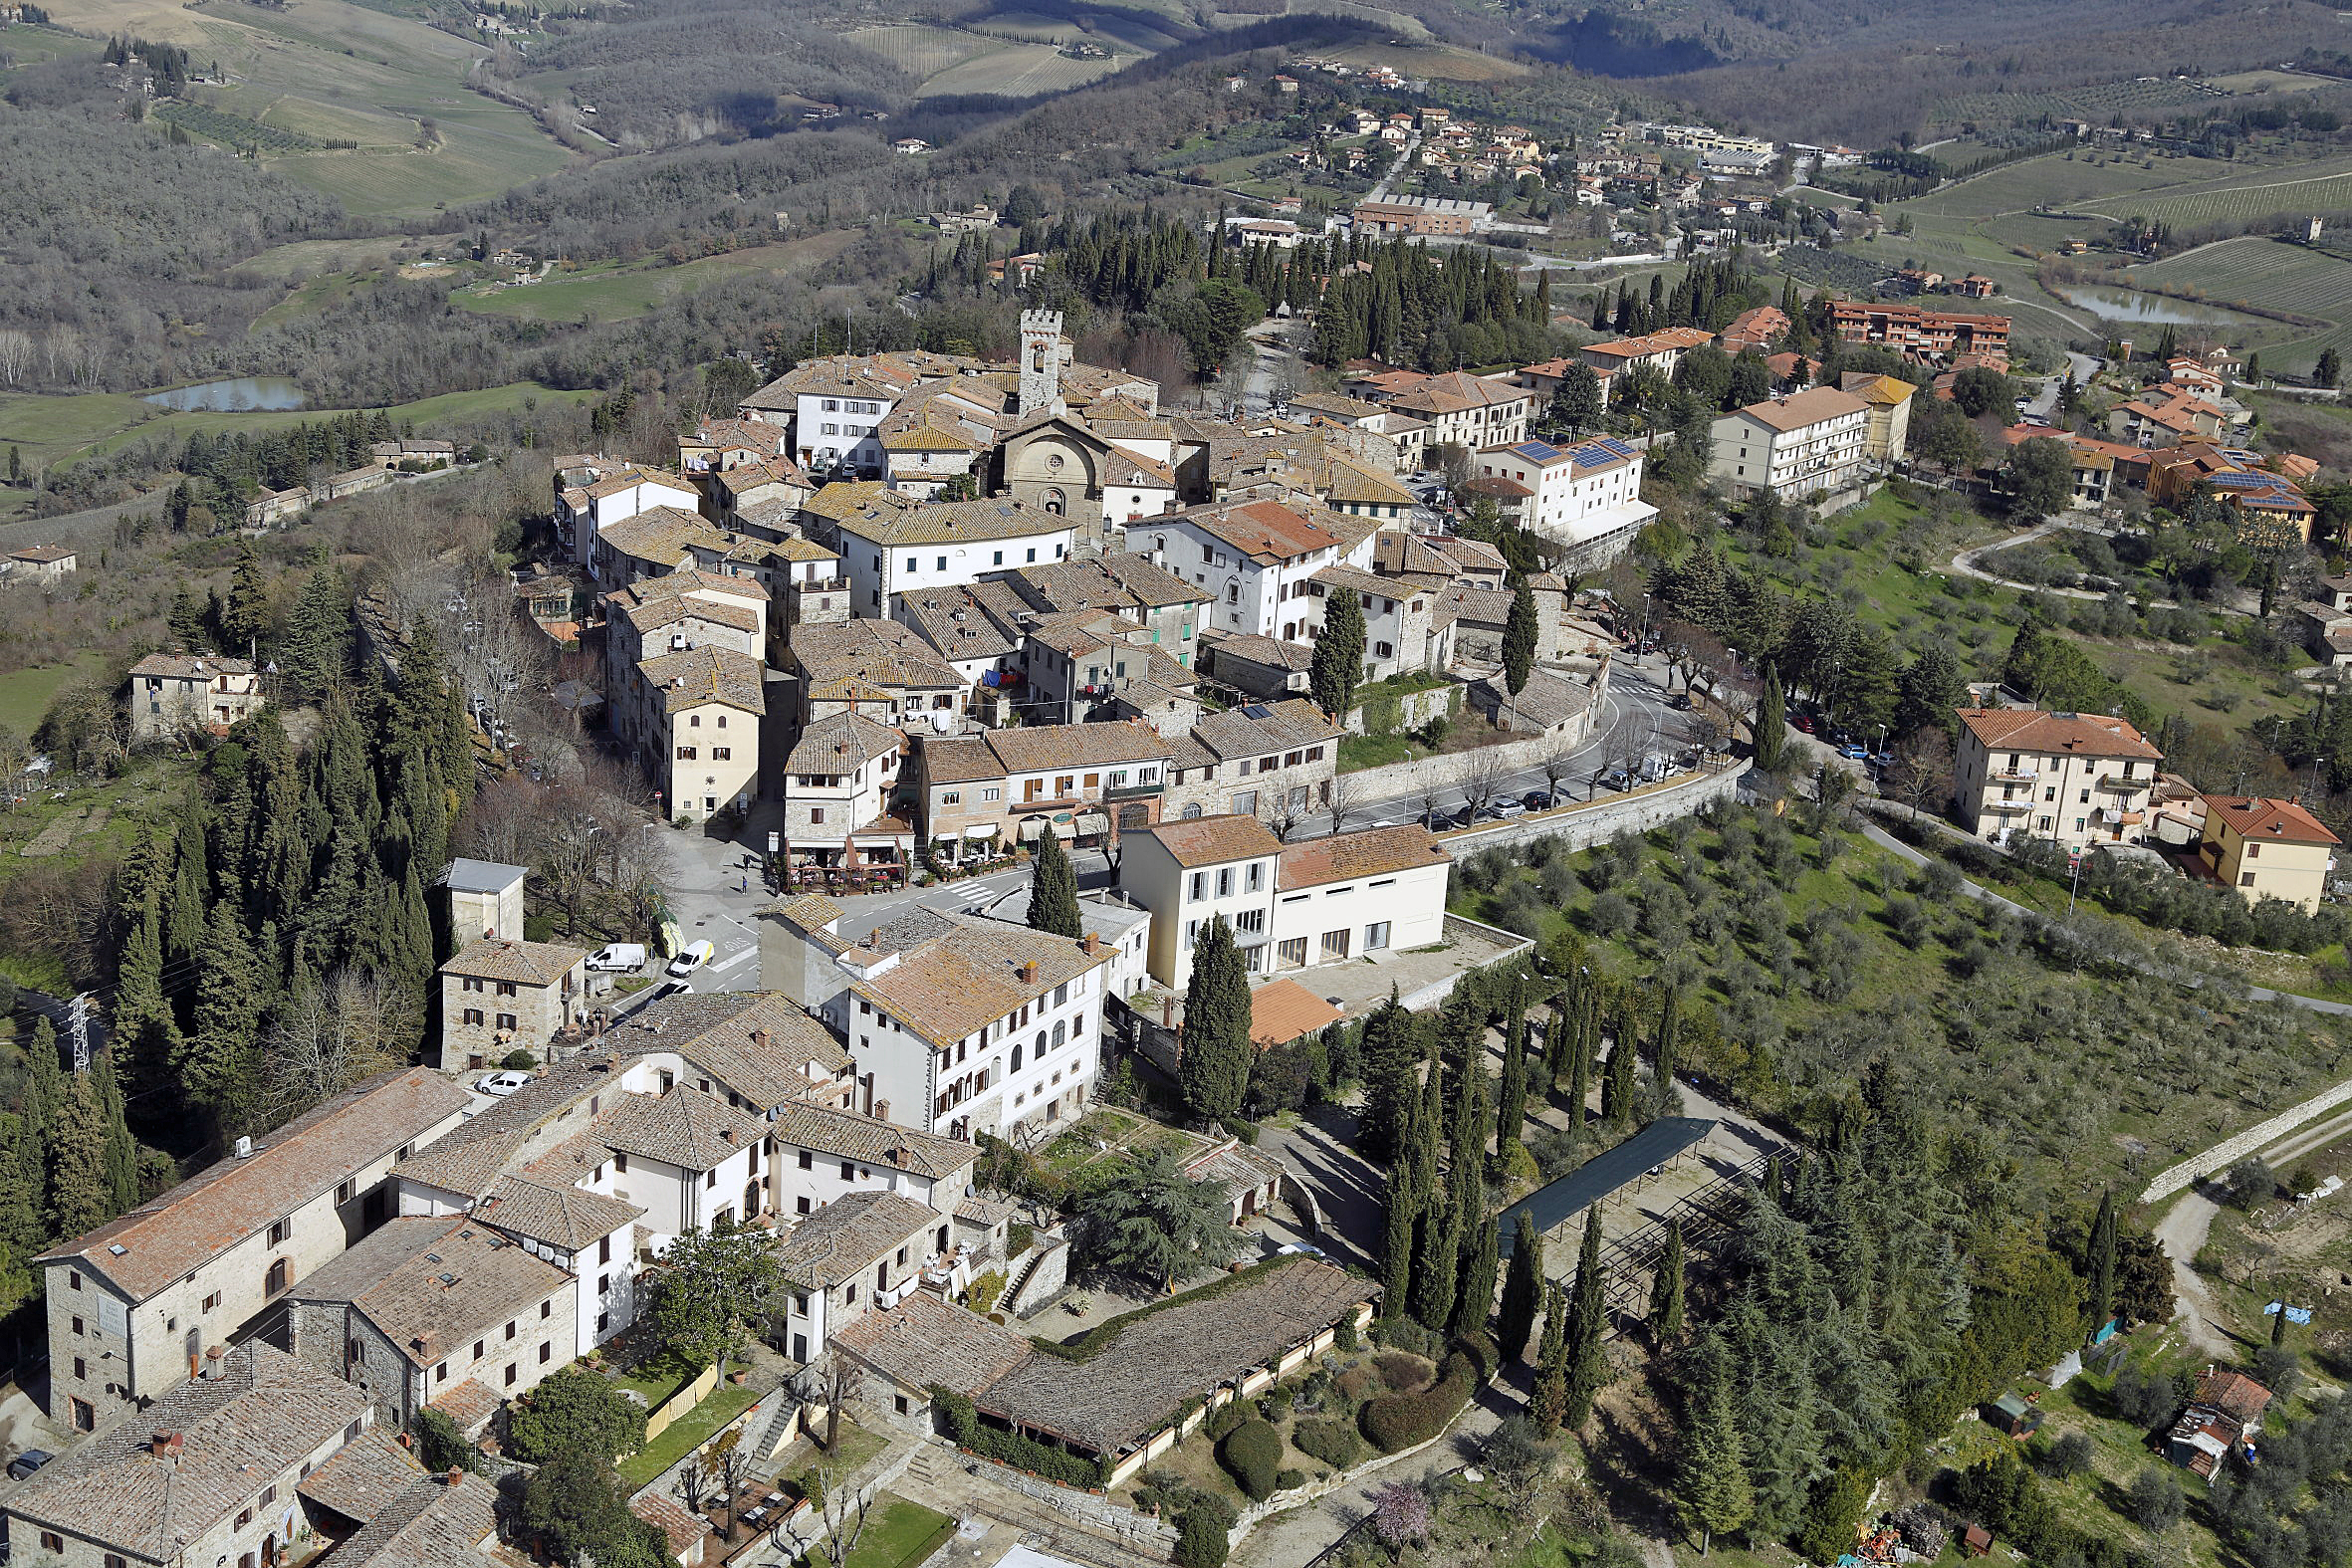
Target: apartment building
436, 1311
1272, 760
1916, 330
1887, 434
1586, 497
2073, 778
1468, 410
824, 1154
945, 544
1795, 446
210, 1479
694, 719
137, 1305
883, 670
859, 1255
503, 994
839, 781
175, 695
608, 494
2267, 848
1661, 350
1254, 557
1002, 787
1289, 906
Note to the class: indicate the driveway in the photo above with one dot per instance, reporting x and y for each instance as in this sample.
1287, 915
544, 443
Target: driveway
2181, 1233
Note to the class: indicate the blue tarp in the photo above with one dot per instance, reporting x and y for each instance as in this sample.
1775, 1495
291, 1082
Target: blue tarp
1603, 1174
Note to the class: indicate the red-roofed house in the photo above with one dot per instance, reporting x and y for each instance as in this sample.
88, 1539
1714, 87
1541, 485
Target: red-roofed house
2075, 777
2267, 848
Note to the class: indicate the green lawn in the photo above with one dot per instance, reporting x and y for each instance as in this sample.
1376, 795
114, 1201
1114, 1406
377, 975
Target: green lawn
687, 1432
609, 291
899, 1534
25, 695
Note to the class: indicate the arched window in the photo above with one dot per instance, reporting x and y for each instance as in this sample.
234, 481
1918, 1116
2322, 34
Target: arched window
280, 1276
1016, 1059
751, 1199
1061, 1032
1191, 810
1055, 502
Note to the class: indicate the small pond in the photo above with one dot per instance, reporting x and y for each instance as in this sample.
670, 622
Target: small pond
2130, 304
242, 396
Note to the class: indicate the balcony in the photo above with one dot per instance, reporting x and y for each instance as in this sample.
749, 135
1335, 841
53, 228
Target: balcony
1133, 791
2123, 786
2020, 805
2015, 774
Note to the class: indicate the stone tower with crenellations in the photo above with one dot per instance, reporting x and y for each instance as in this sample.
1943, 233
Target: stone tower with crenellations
1043, 356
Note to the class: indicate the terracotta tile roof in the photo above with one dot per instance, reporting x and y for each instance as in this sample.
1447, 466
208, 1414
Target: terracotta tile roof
189, 667
2234, 1394
950, 986
171, 1236
2032, 729
368, 1475
1212, 841
1368, 852
695, 675
864, 501
842, 743
433, 1524
1666, 340
40, 555
1272, 652
957, 759
887, 655
1258, 728
665, 535
760, 1043
1337, 406
564, 1217
843, 1239
1108, 582
685, 1128
944, 521
1041, 748
1799, 409
680, 1530
1264, 530
469, 1403
1355, 483
523, 962
924, 1341
1283, 1010
1155, 1364
260, 1417
2267, 820
1884, 389
631, 478
870, 1140
430, 1283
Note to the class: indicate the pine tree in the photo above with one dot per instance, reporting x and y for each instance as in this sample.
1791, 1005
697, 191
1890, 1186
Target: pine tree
1588, 1365
1523, 1288
1576, 401
1771, 722
1391, 1090
1713, 1494
1054, 889
316, 651
1667, 1287
1213, 1062
245, 617
2100, 1297
1549, 1404
216, 1062
1339, 655
1520, 636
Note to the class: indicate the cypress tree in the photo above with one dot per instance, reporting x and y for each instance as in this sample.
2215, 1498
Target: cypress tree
1580, 1071
1520, 637
1617, 1088
1511, 1112
1212, 1064
1666, 1290
1713, 1494
1555, 1043
1550, 1406
1771, 722
23, 1192
1522, 1290
217, 1060
245, 617
1473, 1299
1054, 889
2100, 1298
316, 651
1339, 655
1391, 1090
1396, 1271
1588, 1366
79, 1189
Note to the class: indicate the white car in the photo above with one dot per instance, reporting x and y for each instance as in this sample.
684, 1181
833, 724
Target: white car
502, 1083
693, 958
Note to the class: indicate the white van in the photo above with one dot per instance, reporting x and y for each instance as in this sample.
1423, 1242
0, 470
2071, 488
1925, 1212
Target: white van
621, 956
696, 955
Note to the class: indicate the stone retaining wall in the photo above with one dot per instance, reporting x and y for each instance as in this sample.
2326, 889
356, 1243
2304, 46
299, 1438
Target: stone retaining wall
1590, 822
2253, 1140
1093, 1511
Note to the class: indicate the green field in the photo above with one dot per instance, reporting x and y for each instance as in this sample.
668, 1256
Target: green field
1020, 70
2270, 273
25, 695
920, 51
54, 431
609, 292
234, 131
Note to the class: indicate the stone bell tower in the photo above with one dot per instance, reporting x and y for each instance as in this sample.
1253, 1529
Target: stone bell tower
1043, 357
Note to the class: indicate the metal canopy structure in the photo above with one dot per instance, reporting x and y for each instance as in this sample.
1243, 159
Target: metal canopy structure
1555, 1203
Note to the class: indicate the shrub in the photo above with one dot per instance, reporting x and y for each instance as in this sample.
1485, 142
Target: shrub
1202, 1526
986, 1289
1252, 1453
519, 1060
1290, 1480
1358, 1383
1399, 1421
1038, 1458
2069, 1456
1223, 1419
1333, 1441
1486, 1357
1402, 1333
1401, 1372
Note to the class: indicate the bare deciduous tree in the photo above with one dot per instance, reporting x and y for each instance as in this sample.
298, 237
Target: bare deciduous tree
1483, 773
328, 1038
841, 1513
1922, 768
1344, 801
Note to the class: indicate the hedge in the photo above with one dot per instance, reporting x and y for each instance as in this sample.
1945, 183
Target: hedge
1486, 1357
1201, 1542
1333, 1441
1399, 1421
1253, 1451
1226, 1417
1010, 1447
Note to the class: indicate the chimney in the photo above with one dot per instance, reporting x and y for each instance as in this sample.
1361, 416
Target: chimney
727, 1133
760, 1038
165, 1445
1028, 973
1092, 943
1167, 1013
455, 1476
407, 1439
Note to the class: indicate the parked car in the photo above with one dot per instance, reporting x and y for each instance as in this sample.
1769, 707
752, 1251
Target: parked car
1509, 806
1680, 701
1618, 778
1538, 800
27, 1462
502, 1083
668, 988
1854, 751
619, 956
694, 957
1438, 821
1804, 722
